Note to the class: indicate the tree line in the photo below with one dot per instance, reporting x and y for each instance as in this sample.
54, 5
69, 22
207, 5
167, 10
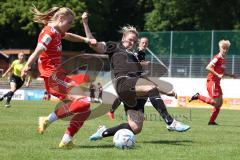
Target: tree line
17, 29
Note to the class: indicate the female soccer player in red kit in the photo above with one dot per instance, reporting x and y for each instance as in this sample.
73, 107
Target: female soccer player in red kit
58, 21
216, 69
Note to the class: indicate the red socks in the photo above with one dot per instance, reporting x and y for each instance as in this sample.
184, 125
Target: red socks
77, 122
80, 110
214, 115
68, 109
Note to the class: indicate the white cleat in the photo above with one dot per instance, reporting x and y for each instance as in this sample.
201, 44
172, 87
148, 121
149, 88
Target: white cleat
98, 134
178, 126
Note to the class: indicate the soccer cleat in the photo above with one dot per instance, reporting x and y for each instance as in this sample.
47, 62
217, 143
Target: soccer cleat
98, 134
1, 99
178, 126
111, 115
43, 123
7, 105
65, 145
194, 97
212, 123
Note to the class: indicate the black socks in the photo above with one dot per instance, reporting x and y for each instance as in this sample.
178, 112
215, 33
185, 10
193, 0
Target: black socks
9, 96
111, 131
159, 105
115, 105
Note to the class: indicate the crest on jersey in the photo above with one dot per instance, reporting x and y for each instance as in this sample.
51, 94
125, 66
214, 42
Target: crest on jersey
46, 39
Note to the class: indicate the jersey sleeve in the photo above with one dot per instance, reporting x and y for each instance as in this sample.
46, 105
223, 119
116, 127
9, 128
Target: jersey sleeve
214, 61
111, 47
45, 39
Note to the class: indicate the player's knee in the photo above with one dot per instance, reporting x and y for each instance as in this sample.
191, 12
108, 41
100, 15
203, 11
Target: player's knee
136, 128
153, 92
218, 104
10, 93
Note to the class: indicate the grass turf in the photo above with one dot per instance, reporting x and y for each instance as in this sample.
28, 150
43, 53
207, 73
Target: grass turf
19, 138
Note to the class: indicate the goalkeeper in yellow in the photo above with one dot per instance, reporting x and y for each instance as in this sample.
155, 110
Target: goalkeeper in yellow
15, 79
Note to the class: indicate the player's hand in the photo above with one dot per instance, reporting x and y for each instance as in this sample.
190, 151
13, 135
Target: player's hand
85, 17
219, 75
92, 42
4, 75
145, 63
25, 71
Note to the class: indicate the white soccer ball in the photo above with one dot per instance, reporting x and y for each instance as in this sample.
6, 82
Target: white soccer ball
124, 139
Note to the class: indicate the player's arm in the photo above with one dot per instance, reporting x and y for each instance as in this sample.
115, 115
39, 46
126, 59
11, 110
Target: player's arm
210, 66
7, 71
100, 47
38, 50
76, 38
29, 79
85, 25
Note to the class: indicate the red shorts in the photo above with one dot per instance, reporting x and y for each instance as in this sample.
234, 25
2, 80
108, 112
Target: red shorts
214, 89
60, 84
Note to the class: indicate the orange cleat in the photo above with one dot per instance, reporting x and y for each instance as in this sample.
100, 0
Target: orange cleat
111, 115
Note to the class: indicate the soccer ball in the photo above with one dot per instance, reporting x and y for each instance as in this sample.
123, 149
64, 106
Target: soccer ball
124, 139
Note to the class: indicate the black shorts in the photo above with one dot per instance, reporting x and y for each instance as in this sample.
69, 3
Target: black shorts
100, 95
138, 107
19, 82
125, 88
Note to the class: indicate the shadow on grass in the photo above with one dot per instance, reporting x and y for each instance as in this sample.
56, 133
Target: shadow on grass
95, 146
107, 146
224, 125
171, 142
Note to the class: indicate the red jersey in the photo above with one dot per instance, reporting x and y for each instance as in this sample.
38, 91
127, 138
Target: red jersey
218, 65
50, 59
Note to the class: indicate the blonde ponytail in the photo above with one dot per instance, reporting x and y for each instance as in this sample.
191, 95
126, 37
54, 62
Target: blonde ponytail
50, 15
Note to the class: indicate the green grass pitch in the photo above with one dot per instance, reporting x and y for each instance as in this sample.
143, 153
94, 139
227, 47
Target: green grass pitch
19, 139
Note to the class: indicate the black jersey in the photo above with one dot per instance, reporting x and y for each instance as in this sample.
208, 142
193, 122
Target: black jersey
141, 56
123, 62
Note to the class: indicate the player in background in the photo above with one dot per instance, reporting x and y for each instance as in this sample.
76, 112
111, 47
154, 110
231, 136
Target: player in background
143, 44
92, 89
46, 96
216, 69
16, 81
57, 21
100, 92
130, 85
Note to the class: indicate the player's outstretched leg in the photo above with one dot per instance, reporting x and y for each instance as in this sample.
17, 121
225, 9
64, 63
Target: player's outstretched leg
158, 104
98, 135
194, 97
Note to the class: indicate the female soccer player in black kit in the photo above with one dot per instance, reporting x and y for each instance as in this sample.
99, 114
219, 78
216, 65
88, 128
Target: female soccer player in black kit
130, 84
143, 44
